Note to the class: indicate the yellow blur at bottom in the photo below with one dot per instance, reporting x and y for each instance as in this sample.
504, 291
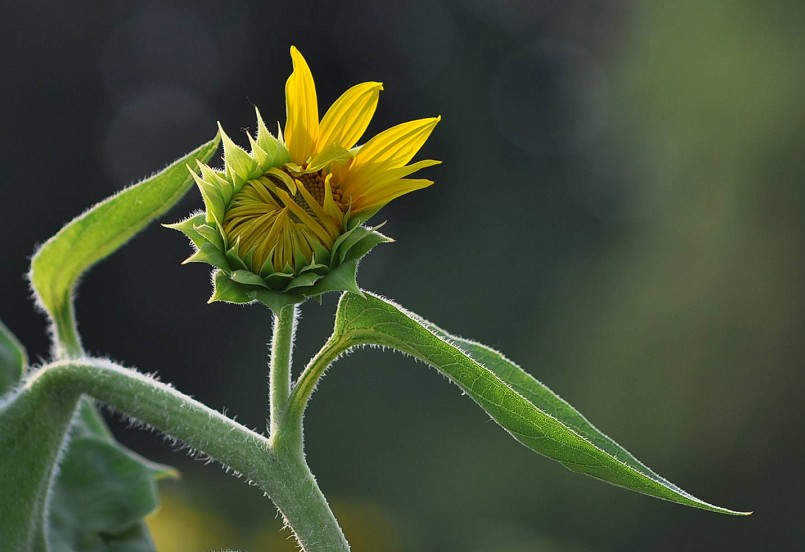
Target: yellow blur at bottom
178, 526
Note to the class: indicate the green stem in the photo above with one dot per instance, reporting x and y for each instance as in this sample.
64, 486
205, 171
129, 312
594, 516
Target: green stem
279, 377
68, 346
302, 391
299, 499
304, 506
281, 474
162, 407
67, 339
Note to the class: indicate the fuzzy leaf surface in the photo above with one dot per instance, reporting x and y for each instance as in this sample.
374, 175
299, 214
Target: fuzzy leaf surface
33, 424
525, 408
105, 227
100, 498
13, 359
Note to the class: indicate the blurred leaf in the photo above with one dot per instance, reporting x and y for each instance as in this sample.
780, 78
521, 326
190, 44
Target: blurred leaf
13, 359
100, 494
98, 232
529, 411
100, 499
33, 423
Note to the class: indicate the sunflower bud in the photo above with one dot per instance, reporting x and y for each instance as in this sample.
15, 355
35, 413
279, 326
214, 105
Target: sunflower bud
284, 221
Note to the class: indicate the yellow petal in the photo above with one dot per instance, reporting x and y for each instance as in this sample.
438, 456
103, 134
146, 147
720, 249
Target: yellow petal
386, 178
347, 119
329, 155
330, 207
302, 122
327, 221
377, 199
306, 219
391, 149
284, 177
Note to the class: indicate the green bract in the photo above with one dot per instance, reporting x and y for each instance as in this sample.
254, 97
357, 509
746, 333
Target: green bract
235, 279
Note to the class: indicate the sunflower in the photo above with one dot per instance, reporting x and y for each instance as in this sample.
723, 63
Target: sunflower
283, 221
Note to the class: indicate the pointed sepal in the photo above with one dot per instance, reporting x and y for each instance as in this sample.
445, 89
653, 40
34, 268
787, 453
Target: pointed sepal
226, 291
236, 159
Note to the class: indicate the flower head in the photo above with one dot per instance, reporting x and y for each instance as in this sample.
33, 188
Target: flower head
283, 221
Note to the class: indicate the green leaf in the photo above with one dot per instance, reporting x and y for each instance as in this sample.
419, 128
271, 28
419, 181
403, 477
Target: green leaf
529, 411
105, 473
248, 278
304, 280
188, 227
209, 254
13, 359
237, 159
99, 499
33, 423
98, 232
227, 291
100, 494
360, 242
342, 277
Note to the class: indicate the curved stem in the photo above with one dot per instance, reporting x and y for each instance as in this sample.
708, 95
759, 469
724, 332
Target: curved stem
303, 389
282, 475
164, 408
279, 377
67, 342
68, 346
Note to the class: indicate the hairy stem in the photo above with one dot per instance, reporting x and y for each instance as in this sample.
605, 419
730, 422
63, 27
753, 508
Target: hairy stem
300, 500
163, 408
304, 506
303, 389
68, 343
282, 474
280, 365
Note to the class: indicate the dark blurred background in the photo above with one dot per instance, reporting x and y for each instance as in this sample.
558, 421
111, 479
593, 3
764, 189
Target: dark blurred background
620, 210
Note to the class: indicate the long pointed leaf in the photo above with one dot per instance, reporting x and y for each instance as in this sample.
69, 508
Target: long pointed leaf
525, 408
102, 229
